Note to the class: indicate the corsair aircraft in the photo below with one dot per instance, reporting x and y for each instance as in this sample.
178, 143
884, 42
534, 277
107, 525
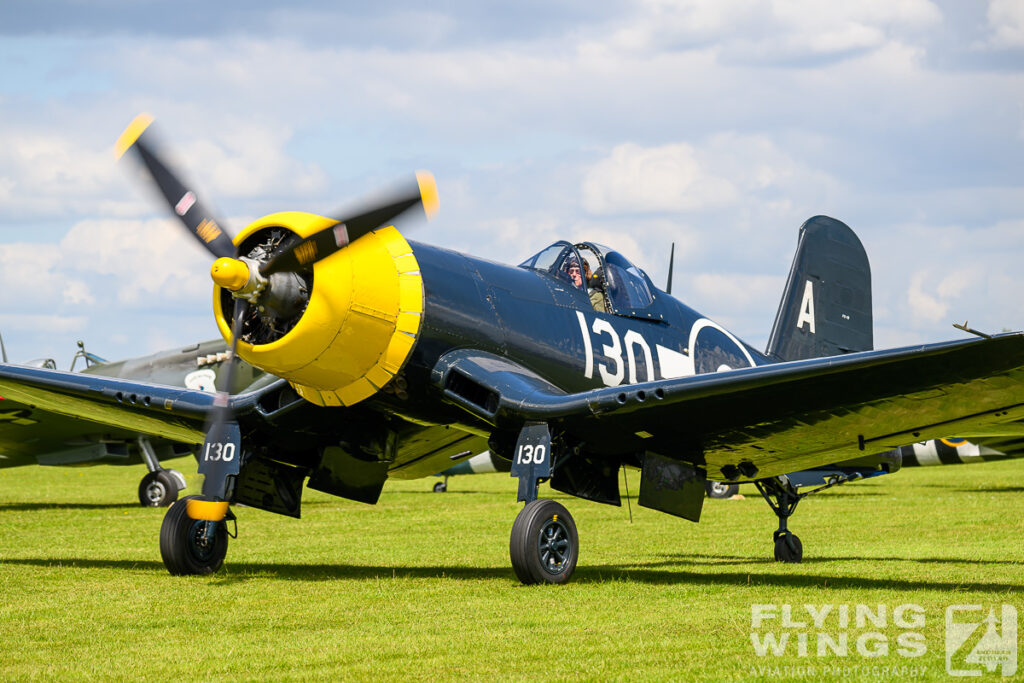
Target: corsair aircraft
397, 359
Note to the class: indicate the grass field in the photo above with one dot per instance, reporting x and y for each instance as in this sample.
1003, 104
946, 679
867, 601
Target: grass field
420, 587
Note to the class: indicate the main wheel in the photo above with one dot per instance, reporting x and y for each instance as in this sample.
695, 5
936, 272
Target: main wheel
719, 489
544, 546
158, 489
440, 487
184, 545
788, 548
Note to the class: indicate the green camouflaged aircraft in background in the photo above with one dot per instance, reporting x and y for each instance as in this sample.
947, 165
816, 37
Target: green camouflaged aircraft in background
30, 436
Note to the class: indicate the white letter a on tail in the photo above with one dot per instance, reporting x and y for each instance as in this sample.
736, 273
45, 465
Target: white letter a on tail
807, 309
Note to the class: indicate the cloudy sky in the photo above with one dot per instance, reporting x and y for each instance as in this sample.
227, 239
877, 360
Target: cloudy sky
720, 125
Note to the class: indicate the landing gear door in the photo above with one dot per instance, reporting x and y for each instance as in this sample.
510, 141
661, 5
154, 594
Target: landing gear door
532, 459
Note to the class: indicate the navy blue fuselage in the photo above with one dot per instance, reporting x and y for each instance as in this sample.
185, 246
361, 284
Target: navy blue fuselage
546, 324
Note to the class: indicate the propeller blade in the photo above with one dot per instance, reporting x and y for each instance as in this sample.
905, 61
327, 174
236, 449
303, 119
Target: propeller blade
222, 450
194, 215
322, 244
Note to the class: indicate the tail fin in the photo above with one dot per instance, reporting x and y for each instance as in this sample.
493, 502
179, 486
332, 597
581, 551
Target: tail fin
826, 306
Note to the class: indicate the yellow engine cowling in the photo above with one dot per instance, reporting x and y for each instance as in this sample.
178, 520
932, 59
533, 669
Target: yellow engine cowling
360, 323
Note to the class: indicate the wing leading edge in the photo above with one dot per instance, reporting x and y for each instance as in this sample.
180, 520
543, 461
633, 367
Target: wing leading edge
169, 412
778, 418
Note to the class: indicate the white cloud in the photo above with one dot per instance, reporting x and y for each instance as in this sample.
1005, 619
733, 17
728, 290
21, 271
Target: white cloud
46, 323
1006, 19
636, 179
727, 173
29, 276
810, 16
76, 293
732, 292
927, 277
932, 303
777, 30
924, 306
50, 173
150, 261
956, 282
249, 160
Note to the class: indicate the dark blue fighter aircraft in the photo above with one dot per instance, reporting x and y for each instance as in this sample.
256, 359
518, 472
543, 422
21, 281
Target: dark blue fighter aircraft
397, 359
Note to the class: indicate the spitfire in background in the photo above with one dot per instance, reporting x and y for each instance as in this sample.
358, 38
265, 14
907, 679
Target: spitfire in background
30, 435
400, 359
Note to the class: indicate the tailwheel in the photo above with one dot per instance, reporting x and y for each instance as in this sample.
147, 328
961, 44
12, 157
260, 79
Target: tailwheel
191, 546
720, 489
782, 496
544, 545
158, 489
788, 548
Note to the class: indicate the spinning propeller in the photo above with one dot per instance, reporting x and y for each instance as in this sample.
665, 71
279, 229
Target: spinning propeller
267, 282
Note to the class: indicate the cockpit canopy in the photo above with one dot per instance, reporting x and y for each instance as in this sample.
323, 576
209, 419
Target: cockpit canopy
610, 279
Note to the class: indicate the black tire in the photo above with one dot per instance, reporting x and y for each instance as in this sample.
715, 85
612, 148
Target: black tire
544, 545
788, 548
719, 489
181, 545
158, 489
440, 487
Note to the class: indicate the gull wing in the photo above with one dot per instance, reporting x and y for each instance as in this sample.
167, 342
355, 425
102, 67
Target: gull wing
770, 419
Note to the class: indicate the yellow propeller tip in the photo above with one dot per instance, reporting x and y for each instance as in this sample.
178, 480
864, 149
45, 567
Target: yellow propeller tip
229, 273
139, 124
428, 192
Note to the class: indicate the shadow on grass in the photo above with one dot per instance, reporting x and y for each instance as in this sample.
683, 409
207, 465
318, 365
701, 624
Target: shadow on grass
959, 488
440, 496
655, 573
33, 507
788, 579
236, 572
842, 492
714, 560
79, 563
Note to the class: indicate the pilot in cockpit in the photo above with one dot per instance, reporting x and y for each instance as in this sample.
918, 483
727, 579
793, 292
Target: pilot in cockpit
595, 282
581, 278
572, 269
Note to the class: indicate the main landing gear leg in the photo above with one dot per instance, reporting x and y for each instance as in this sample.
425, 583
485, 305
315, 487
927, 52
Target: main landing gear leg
544, 545
783, 498
160, 487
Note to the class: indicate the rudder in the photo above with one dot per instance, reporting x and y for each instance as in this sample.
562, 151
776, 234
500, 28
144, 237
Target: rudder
826, 305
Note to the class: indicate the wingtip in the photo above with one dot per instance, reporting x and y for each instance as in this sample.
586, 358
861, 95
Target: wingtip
428, 193
139, 124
